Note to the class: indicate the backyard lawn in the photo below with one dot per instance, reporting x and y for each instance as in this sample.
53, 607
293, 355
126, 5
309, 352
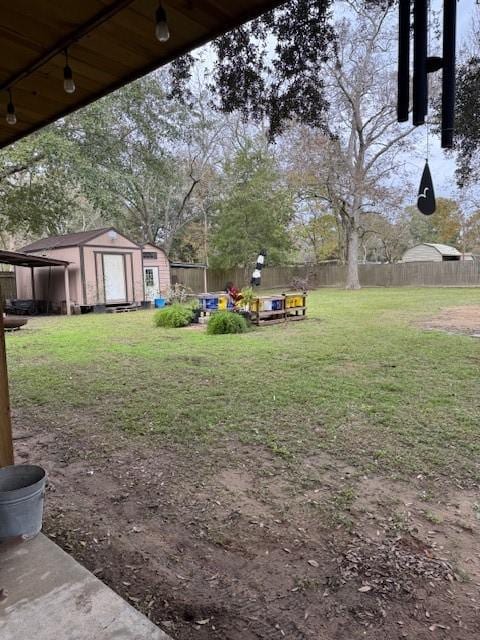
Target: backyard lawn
318, 477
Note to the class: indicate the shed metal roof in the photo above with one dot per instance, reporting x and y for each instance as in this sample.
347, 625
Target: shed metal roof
110, 43
68, 240
444, 249
152, 244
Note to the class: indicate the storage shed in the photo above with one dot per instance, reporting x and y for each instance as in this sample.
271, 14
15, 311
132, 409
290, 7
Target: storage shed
156, 271
430, 252
105, 269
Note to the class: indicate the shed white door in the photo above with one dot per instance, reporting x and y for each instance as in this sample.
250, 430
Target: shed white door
152, 284
114, 276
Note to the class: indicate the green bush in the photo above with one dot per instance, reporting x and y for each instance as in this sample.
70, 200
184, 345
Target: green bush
177, 315
226, 322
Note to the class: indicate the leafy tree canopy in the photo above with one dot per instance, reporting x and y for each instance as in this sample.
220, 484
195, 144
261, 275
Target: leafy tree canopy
136, 158
254, 212
272, 67
471, 235
36, 188
468, 121
444, 227
274, 83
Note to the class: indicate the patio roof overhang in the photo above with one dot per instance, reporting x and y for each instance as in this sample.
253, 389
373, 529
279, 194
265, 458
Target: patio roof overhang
25, 260
109, 42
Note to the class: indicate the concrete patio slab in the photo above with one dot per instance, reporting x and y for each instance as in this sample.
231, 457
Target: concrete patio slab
49, 595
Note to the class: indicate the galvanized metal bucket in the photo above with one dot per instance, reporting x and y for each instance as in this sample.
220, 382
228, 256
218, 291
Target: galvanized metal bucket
22, 489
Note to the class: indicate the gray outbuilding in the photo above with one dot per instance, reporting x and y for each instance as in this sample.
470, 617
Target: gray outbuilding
430, 252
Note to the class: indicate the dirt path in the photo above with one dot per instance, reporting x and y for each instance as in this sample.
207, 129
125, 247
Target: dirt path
234, 544
465, 319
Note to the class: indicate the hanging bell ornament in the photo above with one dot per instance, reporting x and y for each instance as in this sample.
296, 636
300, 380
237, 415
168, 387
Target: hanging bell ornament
426, 195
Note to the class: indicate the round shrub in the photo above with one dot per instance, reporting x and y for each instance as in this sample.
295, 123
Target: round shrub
177, 315
226, 322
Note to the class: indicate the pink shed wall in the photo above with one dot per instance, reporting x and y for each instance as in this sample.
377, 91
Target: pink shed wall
93, 267
57, 281
163, 266
88, 256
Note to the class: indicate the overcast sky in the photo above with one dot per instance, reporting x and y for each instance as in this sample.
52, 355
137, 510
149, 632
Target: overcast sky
466, 10
441, 163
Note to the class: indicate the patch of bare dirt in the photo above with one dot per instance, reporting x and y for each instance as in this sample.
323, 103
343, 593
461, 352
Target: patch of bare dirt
235, 544
456, 320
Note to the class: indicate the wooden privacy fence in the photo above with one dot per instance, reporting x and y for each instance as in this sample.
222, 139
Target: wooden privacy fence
409, 274
272, 277
421, 274
8, 288
191, 278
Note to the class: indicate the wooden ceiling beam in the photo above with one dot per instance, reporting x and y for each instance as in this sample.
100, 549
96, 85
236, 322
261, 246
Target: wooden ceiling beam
110, 48
97, 20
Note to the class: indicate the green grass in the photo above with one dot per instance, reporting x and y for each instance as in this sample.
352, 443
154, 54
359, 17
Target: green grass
358, 379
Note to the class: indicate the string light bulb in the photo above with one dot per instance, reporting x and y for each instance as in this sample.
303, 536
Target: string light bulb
68, 83
11, 116
162, 32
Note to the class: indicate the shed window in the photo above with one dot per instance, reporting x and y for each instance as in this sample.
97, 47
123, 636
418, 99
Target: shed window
149, 280
149, 255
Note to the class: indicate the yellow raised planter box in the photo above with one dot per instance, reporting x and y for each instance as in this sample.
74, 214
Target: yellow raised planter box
280, 308
293, 301
223, 302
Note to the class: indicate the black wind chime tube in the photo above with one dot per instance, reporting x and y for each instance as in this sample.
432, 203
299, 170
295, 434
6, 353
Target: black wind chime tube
257, 272
403, 81
448, 77
420, 83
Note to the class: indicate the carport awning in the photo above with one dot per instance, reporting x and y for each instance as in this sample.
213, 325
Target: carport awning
109, 42
24, 260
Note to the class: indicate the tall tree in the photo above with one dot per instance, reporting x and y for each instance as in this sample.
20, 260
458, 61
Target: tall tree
365, 139
351, 165
146, 157
253, 213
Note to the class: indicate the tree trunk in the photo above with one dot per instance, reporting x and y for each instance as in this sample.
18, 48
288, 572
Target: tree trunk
342, 244
353, 280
